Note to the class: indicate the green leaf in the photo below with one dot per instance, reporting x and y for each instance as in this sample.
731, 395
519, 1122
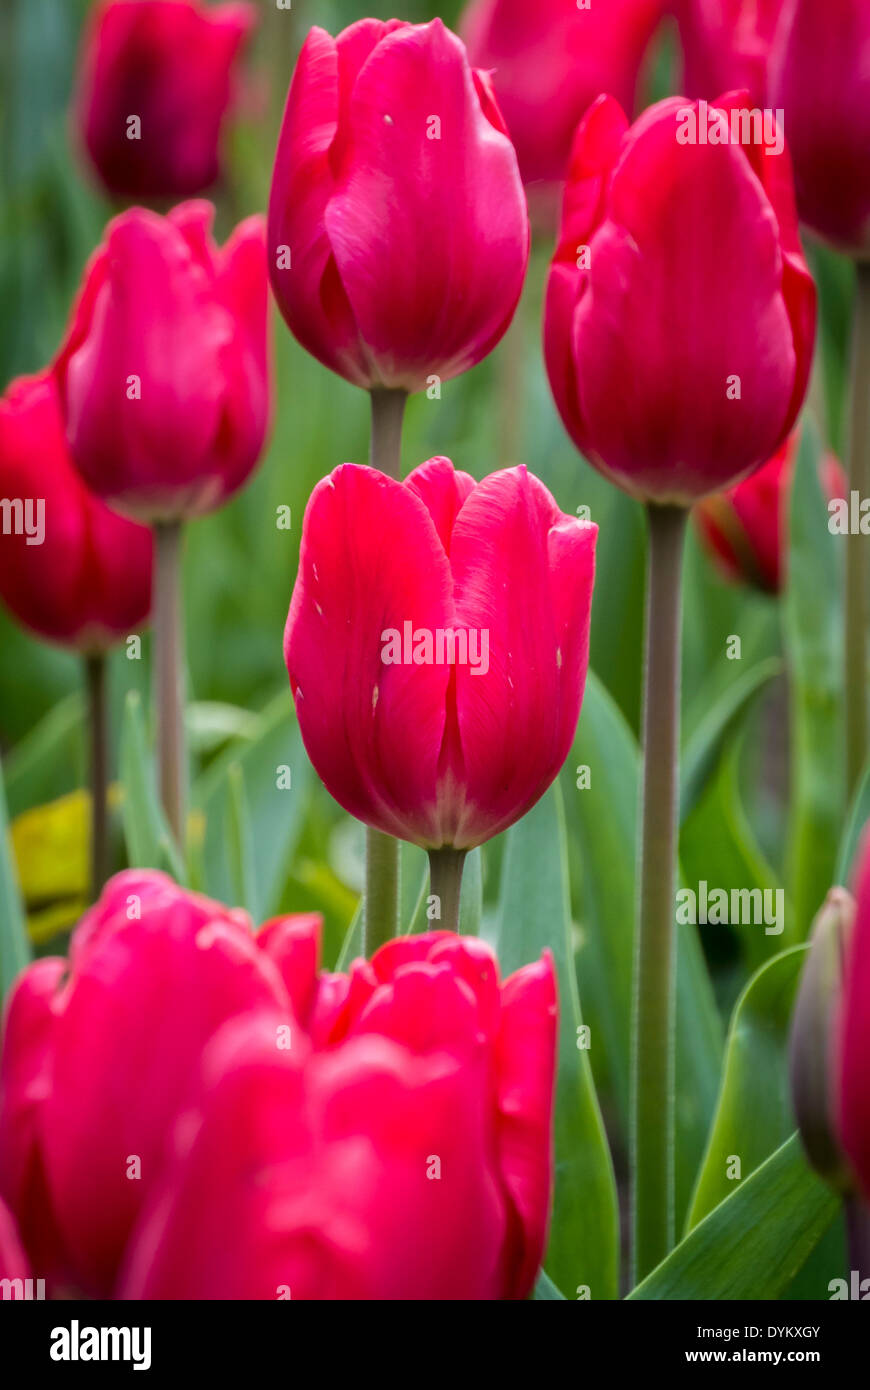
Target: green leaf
38, 768
240, 846
754, 1242
352, 946
545, 1290
814, 637
149, 842
276, 813
471, 901
702, 750
857, 819
754, 1114
14, 945
534, 914
601, 822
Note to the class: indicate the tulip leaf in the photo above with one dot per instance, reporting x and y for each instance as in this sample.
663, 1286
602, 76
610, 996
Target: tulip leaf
754, 1114
752, 1244
601, 816
545, 1290
149, 842
534, 914
471, 901
38, 767
15, 951
240, 846
352, 946
814, 638
277, 776
859, 815
701, 751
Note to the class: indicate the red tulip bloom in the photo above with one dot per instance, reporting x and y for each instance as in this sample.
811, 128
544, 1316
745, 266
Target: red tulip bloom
550, 61
156, 83
408, 1156
398, 231
437, 645
727, 45
746, 528
164, 376
98, 1058
70, 569
851, 1089
680, 313
820, 76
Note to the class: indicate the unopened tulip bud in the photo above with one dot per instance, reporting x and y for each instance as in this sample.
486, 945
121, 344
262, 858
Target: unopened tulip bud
813, 1044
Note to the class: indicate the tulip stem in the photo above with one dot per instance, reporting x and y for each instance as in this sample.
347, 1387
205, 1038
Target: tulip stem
857, 567
382, 889
652, 1081
445, 883
169, 673
857, 1215
95, 680
385, 447
382, 851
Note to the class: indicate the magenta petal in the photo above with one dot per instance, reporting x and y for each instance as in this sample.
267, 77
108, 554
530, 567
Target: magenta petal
371, 562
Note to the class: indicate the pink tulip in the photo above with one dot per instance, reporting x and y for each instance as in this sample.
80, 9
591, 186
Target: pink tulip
727, 45
156, 83
398, 232
82, 577
98, 1059
680, 313
13, 1261
746, 528
164, 377
407, 1157
549, 62
436, 738
850, 1086
820, 77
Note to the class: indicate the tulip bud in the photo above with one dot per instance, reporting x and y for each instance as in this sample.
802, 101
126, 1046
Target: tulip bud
70, 569
852, 1090
398, 231
726, 45
155, 85
549, 62
437, 644
813, 1043
680, 313
163, 377
746, 528
820, 78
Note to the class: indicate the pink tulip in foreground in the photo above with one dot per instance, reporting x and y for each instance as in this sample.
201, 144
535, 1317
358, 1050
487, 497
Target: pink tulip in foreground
70, 569
820, 76
398, 231
851, 1090
196, 1112
163, 376
549, 61
437, 644
727, 45
156, 83
680, 313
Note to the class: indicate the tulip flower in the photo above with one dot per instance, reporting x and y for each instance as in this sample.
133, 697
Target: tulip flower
164, 384
431, 1085
437, 644
71, 570
820, 77
727, 45
745, 528
156, 83
398, 232
549, 62
13, 1261
849, 1087
678, 335
98, 1058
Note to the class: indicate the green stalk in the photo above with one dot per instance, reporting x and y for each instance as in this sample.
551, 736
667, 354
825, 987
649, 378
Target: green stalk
169, 674
98, 729
445, 883
652, 1081
382, 851
857, 560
